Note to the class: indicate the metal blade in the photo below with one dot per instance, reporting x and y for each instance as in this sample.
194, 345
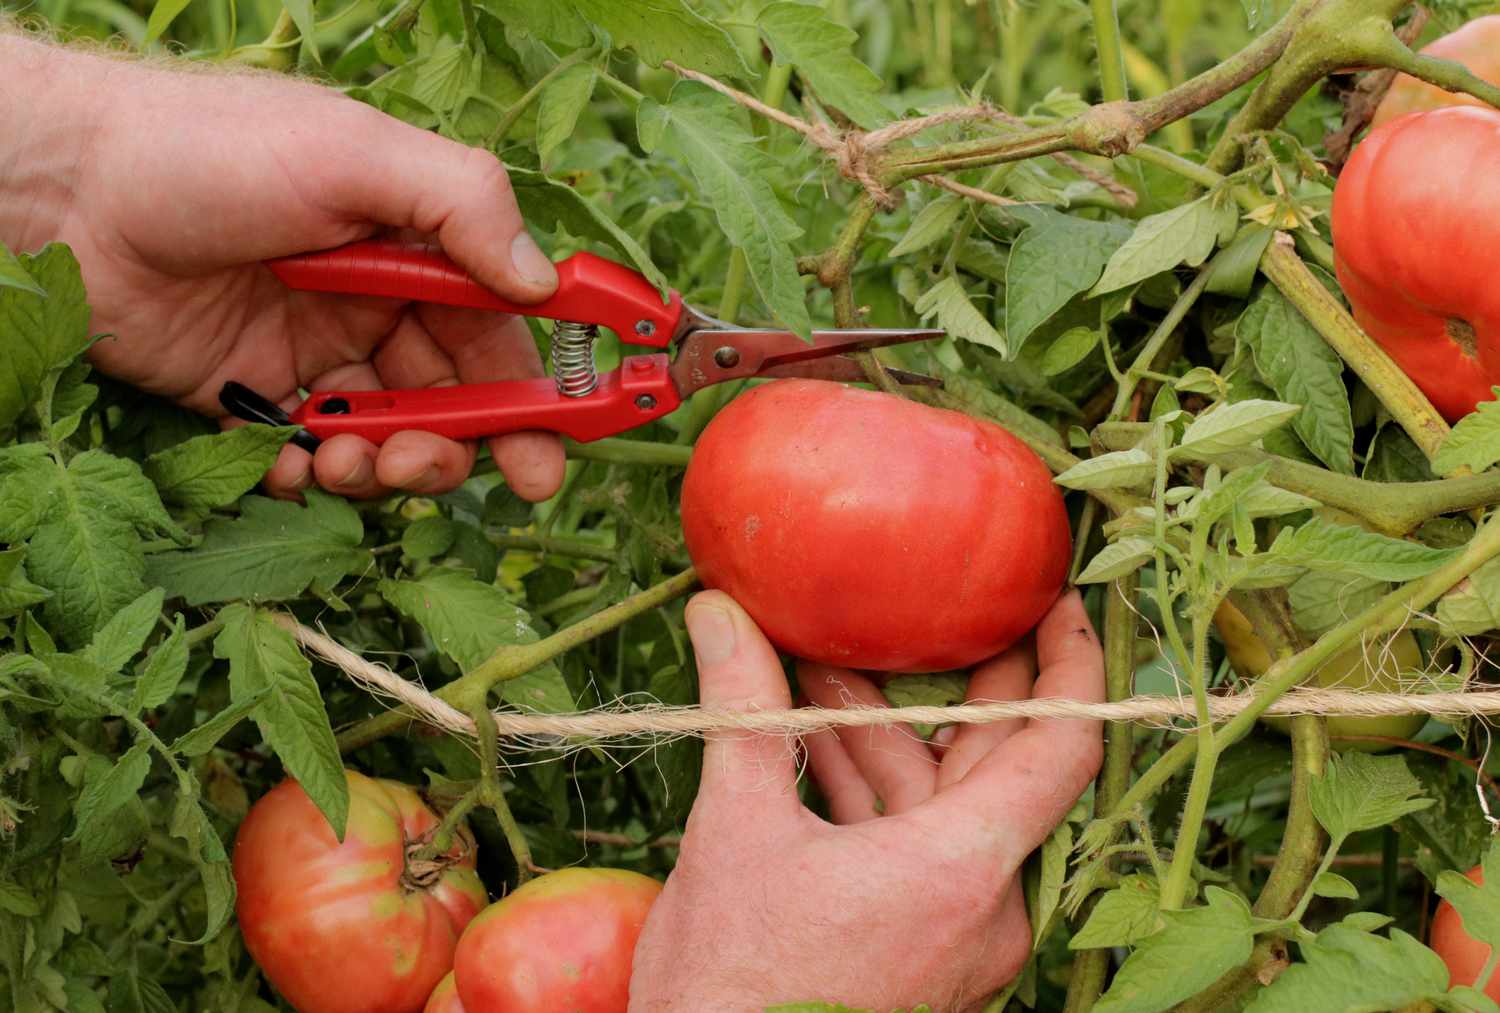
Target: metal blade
842, 369
710, 356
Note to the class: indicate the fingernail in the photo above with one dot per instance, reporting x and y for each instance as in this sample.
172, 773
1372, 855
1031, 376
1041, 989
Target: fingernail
530, 262
359, 475
426, 480
712, 631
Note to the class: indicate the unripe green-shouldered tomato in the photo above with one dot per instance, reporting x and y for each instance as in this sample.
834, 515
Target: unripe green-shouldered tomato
1414, 234
350, 928
1475, 45
862, 529
561, 943
1464, 955
1374, 666
444, 998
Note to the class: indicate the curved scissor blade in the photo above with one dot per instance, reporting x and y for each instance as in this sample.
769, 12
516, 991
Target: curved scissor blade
713, 356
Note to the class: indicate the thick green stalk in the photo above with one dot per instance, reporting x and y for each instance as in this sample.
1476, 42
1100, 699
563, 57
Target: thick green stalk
1110, 129
514, 661
1111, 55
1395, 508
1091, 967
561, 545
617, 451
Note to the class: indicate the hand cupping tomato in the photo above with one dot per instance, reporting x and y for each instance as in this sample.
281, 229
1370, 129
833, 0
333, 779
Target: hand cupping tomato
868, 531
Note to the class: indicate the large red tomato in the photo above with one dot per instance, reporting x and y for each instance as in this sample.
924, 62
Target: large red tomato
1464, 955
1476, 45
351, 928
562, 943
1415, 229
861, 529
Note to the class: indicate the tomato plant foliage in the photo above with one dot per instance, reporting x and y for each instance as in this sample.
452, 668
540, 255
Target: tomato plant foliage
1120, 216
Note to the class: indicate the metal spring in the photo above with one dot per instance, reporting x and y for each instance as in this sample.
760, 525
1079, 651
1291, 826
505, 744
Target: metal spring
573, 358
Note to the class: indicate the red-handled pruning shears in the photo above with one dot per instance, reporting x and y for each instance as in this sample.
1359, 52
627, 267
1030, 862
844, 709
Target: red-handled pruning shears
576, 400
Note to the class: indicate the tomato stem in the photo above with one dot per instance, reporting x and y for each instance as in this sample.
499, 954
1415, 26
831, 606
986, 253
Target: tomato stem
1092, 966
1111, 54
492, 794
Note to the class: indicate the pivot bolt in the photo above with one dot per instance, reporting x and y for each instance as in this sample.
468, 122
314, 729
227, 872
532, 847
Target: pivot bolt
727, 357
645, 402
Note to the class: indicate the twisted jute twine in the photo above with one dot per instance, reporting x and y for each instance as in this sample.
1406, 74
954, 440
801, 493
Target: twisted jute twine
662, 721
853, 150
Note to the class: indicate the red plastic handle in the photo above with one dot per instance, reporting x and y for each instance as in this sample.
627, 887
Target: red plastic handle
639, 391
590, 289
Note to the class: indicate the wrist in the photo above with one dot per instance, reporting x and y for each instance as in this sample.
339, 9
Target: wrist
52, 104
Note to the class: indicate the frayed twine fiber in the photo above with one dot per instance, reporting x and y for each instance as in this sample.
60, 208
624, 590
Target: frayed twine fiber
657, 720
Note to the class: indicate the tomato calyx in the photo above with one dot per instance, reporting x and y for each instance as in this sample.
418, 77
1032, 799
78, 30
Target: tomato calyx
423, 870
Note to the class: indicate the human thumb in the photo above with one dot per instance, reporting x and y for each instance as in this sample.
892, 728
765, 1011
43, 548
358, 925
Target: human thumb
738, 671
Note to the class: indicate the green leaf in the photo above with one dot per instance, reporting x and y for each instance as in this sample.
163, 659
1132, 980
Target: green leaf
1051, 262
1473, 605
1320, 601
302, 15
705, 131
216, 469
1196, 947
1186, 234
118, 640
1070, 348
559, 106
934, 222
271, 552
1351, 551
42, 333
264, 659
661, 30
1117, 559
1331, 884
189, 823
1234, 426
16, 592
1303, 370
1123, 916
548, 19
1474, 443
428, 537
1478, 906
84, 545
547, 203
1235, 269
957, 315
207, 735
805, 36
14, 275
469, 621
1348, 971
103, 797
1358, 791
162, 16
1121, 469
18, 900
163, 671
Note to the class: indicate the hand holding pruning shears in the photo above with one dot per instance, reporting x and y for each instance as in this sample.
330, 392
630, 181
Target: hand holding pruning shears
576, 400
